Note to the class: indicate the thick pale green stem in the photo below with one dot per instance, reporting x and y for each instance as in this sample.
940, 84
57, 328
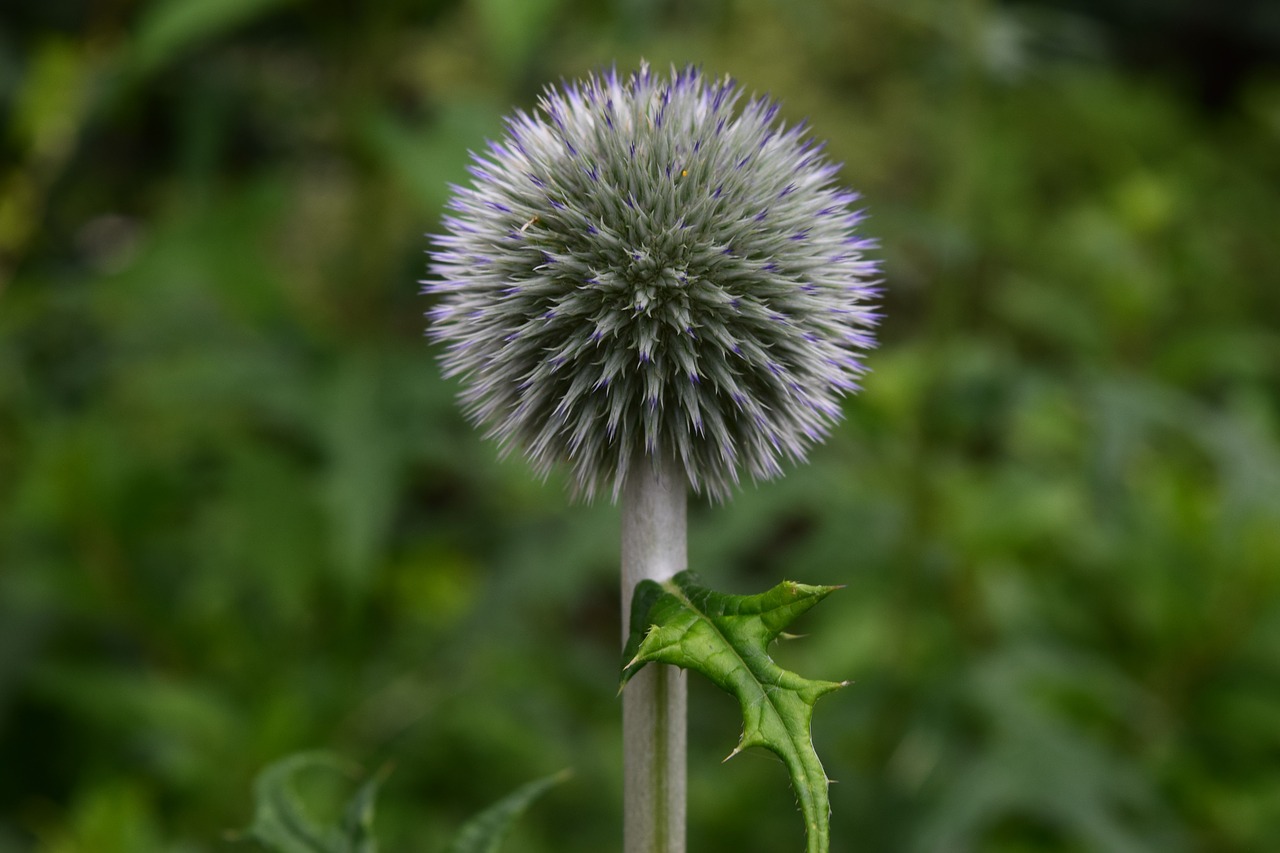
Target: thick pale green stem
654, 702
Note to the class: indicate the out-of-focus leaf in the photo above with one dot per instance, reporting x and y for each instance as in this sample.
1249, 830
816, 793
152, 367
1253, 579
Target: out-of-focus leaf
1039, 767
425, 159
484, 832
365, 456
171, 26
111, 817
52, 103
281, 823
52, 98
516, 26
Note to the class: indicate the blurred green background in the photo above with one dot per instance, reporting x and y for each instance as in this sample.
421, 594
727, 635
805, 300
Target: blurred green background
240, 514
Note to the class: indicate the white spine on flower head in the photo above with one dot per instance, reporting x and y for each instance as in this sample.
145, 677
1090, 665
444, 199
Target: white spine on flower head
647, 266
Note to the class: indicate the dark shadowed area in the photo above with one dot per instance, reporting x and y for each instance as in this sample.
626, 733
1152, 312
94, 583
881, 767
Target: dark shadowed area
241, 514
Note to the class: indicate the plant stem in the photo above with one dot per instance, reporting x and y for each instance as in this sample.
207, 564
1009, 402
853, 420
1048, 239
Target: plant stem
654, 702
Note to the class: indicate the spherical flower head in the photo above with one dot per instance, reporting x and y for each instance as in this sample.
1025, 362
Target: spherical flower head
647, 266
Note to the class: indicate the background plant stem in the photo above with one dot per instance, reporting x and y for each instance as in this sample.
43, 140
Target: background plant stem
654, 702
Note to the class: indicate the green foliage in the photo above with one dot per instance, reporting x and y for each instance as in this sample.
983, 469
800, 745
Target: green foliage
282, 824
726, 638
240, 513
172, 26
484, 832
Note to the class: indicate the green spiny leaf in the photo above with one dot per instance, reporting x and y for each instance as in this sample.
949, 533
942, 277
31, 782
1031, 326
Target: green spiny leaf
281, 823
485, 832
726, 638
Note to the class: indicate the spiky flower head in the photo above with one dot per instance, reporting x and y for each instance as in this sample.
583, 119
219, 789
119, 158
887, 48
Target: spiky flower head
647, 266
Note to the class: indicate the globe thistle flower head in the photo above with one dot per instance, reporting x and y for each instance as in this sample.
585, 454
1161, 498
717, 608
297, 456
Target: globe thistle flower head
648, 266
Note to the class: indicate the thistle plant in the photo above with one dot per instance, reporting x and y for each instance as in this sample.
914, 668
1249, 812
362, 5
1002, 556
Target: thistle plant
657, 284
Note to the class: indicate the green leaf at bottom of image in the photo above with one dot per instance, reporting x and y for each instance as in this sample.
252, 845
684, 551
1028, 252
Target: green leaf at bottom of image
726, 638
485, 832
281, 823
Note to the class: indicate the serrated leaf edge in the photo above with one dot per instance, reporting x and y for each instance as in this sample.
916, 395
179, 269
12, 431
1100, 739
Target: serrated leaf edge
815, 806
